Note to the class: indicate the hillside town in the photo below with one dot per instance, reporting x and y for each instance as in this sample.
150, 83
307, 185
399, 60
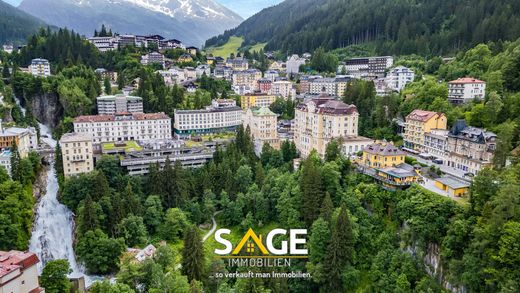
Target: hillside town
149, 142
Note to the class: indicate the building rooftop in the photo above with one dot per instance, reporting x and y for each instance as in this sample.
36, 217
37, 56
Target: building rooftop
467, 80
263, 111
75, 137
400, 171
384, 150
463, 131
452, 182
12, 260
326, 104
113, 97
121, 117
422, 115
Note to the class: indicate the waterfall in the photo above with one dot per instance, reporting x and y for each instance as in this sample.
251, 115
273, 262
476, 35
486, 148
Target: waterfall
53, 227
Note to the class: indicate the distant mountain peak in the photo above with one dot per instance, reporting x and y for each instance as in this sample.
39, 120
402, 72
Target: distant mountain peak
192, 21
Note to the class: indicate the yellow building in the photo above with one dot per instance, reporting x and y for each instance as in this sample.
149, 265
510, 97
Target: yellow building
382, 155
400, 176
77, 153
262, 123
452, 186
185, 58
256, 100
420, 122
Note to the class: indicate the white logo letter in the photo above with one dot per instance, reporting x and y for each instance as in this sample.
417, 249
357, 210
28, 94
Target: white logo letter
295, 241
226, 243
269, 242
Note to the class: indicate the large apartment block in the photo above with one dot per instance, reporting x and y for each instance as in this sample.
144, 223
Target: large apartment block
321, 119
77, 153
465, 90
262, 123
124, 126
221, 116
371, 67
399, 77
331, 86
26, 139
470, 148
109, 105
420, 122
40, 67
256, 100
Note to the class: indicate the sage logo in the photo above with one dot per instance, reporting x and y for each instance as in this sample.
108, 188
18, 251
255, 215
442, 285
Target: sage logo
256, 247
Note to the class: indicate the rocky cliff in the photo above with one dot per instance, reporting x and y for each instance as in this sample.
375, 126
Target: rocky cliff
47, 109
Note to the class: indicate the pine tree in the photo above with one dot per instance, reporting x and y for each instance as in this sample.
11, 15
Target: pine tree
312, 191
339, 252
108, 87
16, 172
327, 208
193, 255
100, 186
88, 215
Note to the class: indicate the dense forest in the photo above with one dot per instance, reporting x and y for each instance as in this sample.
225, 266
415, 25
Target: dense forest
392, 27
16, 25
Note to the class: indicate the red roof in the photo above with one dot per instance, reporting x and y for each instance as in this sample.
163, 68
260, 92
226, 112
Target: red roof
467, 80
421, 115
121, 116
13, 259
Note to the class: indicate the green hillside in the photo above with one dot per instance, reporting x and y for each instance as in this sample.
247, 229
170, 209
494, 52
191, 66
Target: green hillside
16, 25
395, 26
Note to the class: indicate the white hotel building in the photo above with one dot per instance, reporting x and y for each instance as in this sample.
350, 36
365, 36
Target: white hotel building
221, 116
124, 127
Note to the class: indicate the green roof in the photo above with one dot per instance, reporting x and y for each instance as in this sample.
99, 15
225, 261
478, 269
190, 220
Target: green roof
263, 111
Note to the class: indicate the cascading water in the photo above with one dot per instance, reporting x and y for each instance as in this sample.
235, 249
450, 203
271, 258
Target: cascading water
53, 227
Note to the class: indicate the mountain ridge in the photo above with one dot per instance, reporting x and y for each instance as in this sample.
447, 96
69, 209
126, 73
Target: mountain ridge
16, 25
191, 21
394, 27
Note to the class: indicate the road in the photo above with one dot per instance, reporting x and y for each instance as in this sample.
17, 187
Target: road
445, 169
210, 232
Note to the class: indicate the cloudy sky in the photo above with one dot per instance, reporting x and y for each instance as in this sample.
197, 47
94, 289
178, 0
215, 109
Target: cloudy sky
245, 8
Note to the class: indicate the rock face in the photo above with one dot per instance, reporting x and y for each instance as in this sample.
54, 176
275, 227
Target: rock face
433, 265
191, 21
47, 109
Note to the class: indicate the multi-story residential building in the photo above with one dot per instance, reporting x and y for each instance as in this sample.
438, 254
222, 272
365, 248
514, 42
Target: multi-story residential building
372, 67
464, 90
382, 88
305, 82
223, 72
103, 73
185, 58
469, 148
126, 40
256, 100
19, 272
264, 85
203, 69
5, 160
282, 88
192, 50
190, 73
26, 139
77, 153
293, 64
272, 75
221, 116
151, 58
170, 44
248, 78
420, 122
40, 67
278, 65
173, 75
124, 126
399, 77
238, 63
322, 85
321, 119
379, 155
436, 143
104, 44
354, 144
109, 105
262, 123
331, 86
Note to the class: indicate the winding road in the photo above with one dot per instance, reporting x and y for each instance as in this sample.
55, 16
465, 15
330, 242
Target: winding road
210, 232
